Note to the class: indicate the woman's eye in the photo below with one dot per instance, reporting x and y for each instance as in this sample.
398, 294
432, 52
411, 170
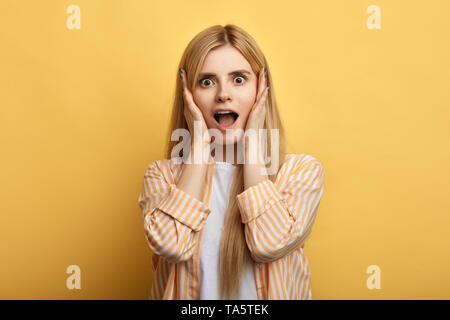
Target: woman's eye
240, 77
203, 81
207, 81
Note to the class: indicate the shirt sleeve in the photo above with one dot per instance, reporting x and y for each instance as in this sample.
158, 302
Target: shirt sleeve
172, 217
279, 219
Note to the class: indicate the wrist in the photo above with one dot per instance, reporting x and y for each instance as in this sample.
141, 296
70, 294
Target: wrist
254, 156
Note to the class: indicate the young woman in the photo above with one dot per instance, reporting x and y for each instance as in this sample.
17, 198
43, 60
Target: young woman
225, 228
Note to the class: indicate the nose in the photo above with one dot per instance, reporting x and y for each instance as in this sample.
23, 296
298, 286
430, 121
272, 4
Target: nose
223, 93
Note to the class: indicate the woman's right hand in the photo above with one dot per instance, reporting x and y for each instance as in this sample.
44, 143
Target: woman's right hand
192, 113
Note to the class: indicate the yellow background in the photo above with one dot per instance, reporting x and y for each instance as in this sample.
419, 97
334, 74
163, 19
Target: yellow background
84, 111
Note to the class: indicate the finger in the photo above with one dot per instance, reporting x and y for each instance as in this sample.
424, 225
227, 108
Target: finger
261, 84
260, 89
187, 93
186, 90
262, 100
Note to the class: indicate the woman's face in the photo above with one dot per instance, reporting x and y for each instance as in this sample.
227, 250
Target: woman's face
225, 82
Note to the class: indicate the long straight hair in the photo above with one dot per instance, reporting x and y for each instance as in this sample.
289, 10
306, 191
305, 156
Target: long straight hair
234, 253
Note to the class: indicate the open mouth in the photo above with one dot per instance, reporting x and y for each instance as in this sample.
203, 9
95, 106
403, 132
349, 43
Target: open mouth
226, 119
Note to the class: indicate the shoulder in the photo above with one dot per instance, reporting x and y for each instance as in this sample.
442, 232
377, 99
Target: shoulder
171, 164
167, 168
300, 159
297, 163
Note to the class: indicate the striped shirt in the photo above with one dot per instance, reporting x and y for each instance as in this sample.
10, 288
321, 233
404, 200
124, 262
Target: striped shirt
278, 218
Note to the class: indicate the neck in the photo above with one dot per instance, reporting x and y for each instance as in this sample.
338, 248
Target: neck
224, 156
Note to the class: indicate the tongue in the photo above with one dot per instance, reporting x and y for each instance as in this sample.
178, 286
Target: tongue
226, 120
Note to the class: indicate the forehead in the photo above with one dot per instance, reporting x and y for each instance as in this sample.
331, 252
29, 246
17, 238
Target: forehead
224, 59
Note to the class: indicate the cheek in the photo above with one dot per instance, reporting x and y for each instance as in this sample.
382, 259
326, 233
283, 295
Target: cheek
247, 103
246, 110
201, 102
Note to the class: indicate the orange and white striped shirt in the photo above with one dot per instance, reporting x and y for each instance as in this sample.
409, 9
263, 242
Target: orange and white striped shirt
278, 219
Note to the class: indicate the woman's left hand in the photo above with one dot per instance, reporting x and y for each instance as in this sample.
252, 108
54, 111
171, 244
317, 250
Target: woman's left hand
258, 112
255, 121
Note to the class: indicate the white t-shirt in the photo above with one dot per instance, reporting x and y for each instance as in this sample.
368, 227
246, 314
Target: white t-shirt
212, 233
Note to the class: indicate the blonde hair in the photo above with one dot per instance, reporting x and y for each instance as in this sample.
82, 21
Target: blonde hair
234, 252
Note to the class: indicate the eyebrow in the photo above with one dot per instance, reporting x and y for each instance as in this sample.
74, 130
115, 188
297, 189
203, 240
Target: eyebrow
231, 73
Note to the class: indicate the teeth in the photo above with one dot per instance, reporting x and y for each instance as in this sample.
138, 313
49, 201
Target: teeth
216, 115
224, 112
